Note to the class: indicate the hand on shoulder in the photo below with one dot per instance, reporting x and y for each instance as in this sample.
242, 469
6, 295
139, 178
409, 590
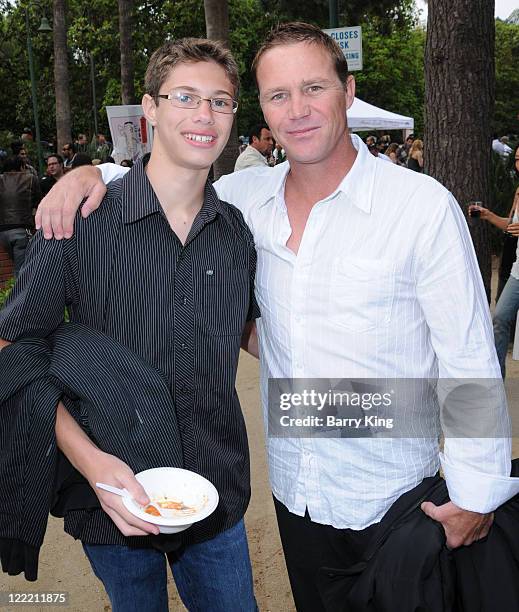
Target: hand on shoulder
56, 212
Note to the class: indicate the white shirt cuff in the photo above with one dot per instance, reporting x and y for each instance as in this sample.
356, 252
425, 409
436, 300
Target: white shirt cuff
477, 491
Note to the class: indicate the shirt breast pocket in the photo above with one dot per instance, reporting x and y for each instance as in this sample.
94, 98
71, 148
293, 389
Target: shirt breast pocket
224, 300
361, 293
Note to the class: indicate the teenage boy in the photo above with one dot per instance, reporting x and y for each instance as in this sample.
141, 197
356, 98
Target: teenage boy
168, 271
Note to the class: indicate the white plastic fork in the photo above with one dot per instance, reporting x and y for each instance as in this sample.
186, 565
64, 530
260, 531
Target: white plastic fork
111, 489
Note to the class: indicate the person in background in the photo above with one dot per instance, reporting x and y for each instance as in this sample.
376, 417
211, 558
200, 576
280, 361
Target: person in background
19, 197
415, 159
68, 151
508, 302
392, 151
55, 171
27, 135
258, 150
102, 149
403, 150
243, 144
81, 143
375, 151
19, 149
279, 154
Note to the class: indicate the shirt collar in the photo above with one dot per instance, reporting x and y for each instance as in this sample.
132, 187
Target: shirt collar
357, 185
141, 200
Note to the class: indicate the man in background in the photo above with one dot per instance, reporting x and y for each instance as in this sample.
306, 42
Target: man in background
55, 171
68, 153
258, 150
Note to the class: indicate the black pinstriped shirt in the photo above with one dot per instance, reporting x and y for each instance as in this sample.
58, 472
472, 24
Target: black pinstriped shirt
180, 307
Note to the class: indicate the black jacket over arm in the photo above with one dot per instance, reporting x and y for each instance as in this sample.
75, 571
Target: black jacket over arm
119, 400
407, 567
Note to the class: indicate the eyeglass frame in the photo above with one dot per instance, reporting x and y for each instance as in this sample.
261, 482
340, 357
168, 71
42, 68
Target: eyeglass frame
171, 97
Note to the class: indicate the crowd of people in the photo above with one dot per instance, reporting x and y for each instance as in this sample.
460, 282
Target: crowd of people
260, 149
22, 188
311, 268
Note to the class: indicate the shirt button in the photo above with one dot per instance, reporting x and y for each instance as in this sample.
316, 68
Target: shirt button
183, 346
209, 272
184, 300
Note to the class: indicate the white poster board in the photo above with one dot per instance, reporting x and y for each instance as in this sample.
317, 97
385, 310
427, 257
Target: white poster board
350, 41
131, 134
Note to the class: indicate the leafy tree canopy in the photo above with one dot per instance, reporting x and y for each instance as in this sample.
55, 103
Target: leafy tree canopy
393, 46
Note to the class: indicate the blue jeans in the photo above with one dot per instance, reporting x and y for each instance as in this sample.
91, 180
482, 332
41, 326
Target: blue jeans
504, 316
15, 242
213, 576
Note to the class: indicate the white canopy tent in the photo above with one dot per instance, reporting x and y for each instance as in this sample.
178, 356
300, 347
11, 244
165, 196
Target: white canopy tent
364, 116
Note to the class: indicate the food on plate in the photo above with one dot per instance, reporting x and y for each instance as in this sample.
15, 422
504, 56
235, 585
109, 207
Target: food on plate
168, 506
152, 510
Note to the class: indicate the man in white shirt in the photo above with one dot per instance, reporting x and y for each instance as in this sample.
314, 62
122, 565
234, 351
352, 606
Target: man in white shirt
352, 284
258, 150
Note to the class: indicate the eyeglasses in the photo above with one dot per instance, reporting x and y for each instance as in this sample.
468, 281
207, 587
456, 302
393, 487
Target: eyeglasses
184, 99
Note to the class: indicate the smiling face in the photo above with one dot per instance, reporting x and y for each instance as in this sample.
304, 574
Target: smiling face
304, 102
191, 137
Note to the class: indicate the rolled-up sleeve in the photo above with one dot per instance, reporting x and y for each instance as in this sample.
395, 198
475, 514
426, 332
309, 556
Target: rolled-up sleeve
450, 291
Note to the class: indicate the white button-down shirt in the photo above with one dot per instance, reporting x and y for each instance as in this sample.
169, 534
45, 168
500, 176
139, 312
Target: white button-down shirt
385, 284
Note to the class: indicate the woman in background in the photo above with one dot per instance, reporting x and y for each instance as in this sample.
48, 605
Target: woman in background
415, 160
508, 303
391, 152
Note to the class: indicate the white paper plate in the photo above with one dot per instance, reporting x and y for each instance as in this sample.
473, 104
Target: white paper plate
180, 485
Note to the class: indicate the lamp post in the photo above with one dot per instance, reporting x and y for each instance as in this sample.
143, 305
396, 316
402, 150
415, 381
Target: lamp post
93, 81
44, 27
333, 13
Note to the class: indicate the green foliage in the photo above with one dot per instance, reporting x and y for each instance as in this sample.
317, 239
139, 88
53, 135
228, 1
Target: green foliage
506, 116
393, 55
392, 76
5, 289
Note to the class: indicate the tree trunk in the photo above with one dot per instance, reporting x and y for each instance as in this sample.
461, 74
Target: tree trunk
61, 89
125, 44
459, 105
217, 28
